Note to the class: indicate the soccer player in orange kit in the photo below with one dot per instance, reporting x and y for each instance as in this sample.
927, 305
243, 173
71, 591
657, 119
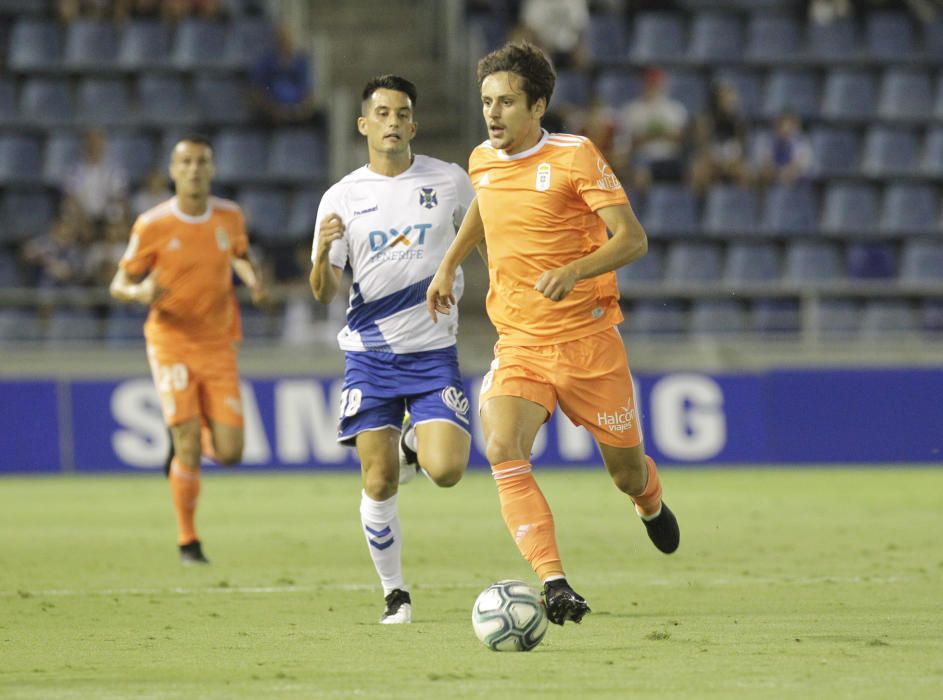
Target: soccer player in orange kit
179, 261
544, 203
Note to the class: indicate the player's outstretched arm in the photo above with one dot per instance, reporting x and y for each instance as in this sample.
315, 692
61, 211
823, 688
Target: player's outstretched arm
471, 235
251, 276
144, 291
627, 244
325, 278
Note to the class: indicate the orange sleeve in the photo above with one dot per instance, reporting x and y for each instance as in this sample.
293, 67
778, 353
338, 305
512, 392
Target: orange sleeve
140, 255
593, 178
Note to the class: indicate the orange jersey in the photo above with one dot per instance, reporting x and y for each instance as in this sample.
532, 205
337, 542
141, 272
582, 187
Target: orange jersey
538, 212
193, 256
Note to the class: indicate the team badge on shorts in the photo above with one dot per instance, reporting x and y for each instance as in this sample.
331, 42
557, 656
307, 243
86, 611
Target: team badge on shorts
455, 399
427, 197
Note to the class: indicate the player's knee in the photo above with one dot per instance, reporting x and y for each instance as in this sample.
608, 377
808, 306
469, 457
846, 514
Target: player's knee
499, 450
630, 479
229, 455
380, 482
446, 475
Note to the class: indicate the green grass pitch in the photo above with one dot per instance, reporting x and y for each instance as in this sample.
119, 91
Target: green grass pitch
789, 584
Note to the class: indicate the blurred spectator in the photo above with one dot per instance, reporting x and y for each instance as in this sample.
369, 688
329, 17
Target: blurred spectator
154, 190
720, 139
558, 27
179, 9
827, 11
57, 258
598, 123
785, 156
103, 9
650, 134
98, 188
102, 256
282, 86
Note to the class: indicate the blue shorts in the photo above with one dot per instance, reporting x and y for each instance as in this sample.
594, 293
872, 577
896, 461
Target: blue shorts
380, 386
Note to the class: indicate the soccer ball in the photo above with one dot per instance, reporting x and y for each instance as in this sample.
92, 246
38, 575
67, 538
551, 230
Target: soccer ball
509, 616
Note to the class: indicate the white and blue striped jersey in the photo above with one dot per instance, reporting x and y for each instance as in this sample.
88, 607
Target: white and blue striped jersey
397, 230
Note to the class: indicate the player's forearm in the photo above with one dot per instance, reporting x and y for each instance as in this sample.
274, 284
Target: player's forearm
323, 281
124, 289
471, 235
246, 271
627, 244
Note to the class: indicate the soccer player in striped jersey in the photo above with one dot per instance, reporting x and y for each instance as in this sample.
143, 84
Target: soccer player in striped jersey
391, 221
544, 203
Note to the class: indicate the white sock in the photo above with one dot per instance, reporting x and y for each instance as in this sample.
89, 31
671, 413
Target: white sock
380, 520
410, 438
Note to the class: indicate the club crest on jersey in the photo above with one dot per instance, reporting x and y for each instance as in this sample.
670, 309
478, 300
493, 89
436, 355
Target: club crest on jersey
427, 197
455, 399
543, 177
222, 238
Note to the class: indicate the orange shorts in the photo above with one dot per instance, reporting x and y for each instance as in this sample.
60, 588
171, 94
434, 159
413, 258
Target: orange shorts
589, 377
200, 383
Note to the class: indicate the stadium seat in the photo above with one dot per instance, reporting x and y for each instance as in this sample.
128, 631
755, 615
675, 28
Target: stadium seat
246, 39
91, 44
889, 35
133, 151
670, 210
72, 326
693, 262
103, 101
715, 36
7, 100
19, 325
605, 38
889, 152
717, 317
657, 37
220, 99
63, 150
885, 317
774, 317
850, 209
834, 152
163, 100
931, 317
645, 271
730, 210
266, 211
34, 44
617, 87
46, 101
931, 161
835, 40
145, 44
932, 43
835, 318
906, 93
653, 317
25, 213
812, 261
689, 88
296, 154
790, 210
21, 158
938, 102
574, 87
791, 89
9, 271
751, 263
199, 43
304, 209
124, 326
241, 154
772, 37
910, 209
922, 261
488, 30
749, 89
850, 95
871, 260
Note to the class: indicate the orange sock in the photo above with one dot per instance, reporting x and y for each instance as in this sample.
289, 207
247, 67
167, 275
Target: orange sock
528, 517
648, 502
185, 490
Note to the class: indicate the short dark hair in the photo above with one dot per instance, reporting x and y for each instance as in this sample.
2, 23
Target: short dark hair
389, 82
195, 137
527, 61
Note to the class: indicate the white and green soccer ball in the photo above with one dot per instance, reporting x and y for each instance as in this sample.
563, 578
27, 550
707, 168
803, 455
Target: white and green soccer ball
509, 616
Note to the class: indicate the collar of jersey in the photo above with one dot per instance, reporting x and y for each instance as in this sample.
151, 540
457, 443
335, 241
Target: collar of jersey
529, 152
186, 218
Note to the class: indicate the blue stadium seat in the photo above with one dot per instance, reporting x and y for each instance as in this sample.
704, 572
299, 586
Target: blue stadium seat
241, 154
812, 261
266, 211
831, 41
834, 152
889, 35
652, 317
693, 262
124, 326
9, 271
715, 36
21, 158
297, 154
850, 95
304, 209
670, 210
775, 317
246, 39
63, 150
7, 100
220, 99
749, 89
836, 318
645, 271
145, 44
772, 37
657, 37
933, 38
790, 210
889, 152
91, 44
931, 317
135, 152
19, 325
68, 326
605, 38
573, 87
730, 210
791, 89
46, 101
910, 209
884, 317
689, 88
717, 317
931, 161
906, 93
163, 99
922, 261
751, 263
34, 44
25, 213
487, 29
103, 100
199, 43
871, 260
617, 87
850, 209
